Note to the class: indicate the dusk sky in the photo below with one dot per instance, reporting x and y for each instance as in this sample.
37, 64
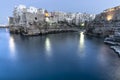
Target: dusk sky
89, 6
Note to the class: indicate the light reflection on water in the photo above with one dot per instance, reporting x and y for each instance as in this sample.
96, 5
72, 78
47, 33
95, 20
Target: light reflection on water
48, 46
12, 46
103, 60
85, 59
81, 45
6, 30
102, 57
81, 40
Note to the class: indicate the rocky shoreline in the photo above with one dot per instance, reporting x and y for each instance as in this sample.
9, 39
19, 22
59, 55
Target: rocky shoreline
50, 32
112, 38
116, 49
38, 30
42, 32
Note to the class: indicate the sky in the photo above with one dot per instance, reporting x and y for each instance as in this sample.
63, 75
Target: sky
88, 6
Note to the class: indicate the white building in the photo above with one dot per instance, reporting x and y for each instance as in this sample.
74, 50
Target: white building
32, 10
23, 16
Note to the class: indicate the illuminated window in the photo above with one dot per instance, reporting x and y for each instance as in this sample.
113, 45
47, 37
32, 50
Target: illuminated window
46, 15
83, 24
109, 17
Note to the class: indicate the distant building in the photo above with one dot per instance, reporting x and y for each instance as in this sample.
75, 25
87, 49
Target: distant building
25, 17
81, 18
11, 21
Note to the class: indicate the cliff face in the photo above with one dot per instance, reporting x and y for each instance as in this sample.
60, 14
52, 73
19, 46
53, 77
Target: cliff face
105, 23
37, 28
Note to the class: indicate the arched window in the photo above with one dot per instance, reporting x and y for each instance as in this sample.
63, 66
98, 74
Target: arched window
35, 18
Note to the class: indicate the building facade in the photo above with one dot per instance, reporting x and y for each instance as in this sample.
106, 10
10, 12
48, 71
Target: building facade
23, 16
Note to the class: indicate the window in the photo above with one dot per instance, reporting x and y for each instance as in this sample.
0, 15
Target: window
30, 23
35, 18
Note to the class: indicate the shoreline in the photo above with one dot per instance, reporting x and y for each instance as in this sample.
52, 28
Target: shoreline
4, 26
114, 45
45, 32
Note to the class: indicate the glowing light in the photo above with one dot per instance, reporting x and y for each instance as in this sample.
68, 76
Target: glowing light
81, 40
46, 15
109, 17
112, 9
83, 24
12, 46
81, 46
47, 19
48, 46
109, 10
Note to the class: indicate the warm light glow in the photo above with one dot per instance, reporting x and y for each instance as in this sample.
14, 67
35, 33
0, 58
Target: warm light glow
46, 15
111, 9
109, 17
48, 46
12, 46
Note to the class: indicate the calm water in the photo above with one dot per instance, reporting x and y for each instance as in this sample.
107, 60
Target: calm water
63, 56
